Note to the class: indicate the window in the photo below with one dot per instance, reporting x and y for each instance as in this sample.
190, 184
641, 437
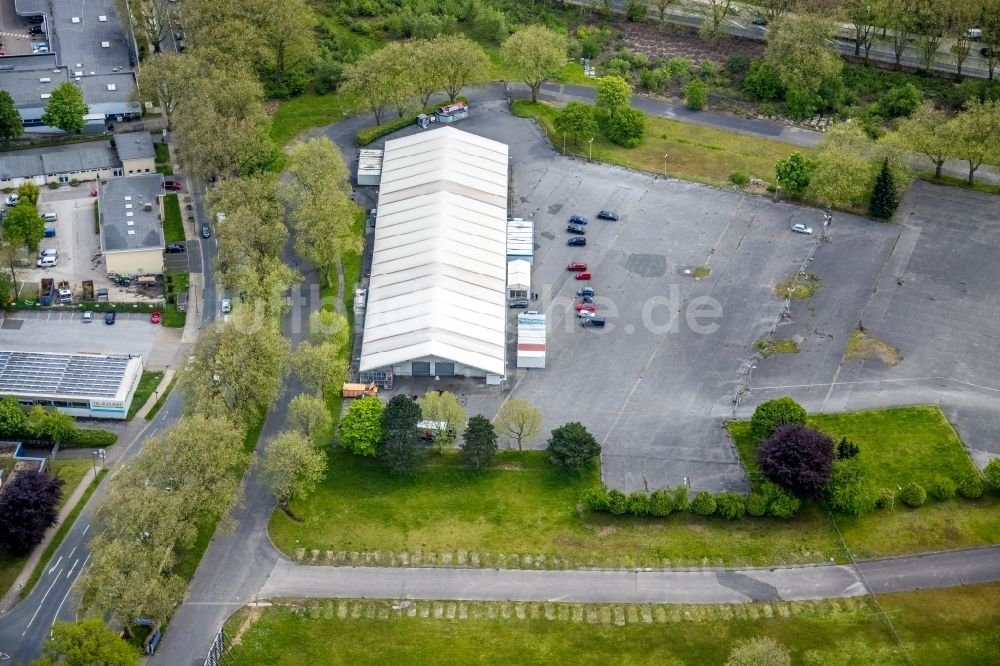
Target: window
117, 172
64, 178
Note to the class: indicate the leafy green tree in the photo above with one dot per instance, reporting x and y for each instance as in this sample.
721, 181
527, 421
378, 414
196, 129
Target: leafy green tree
480, 443
851, 490
576, 121
12, 419
165, 79
928, 132
11, 125
714, 13
518, 420
797, 458
798, 49
863, 16
291, 468
793, 173
443, 407
661, 8
844, 171
310, 416
23, 226
399, 450
884, 200
758, 651
990, 25
87, 642
977, 133
572, 447
992, 473
627, 127
460, 62
636, 11
50, 424
696, 93
321, 369
361, 426
29, 192
66, 108
898, 16
369, 81
773, 413
929, 24
613, 94
536, 54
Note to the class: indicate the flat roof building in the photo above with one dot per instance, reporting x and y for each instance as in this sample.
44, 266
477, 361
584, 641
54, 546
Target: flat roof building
131, 214
83, 385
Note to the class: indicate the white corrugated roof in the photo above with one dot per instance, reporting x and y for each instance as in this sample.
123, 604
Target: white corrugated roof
438, 277
518, 273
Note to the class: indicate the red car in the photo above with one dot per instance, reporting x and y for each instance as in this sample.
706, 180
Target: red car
589, 307
576, 266
171, 185
155, 317
585, 275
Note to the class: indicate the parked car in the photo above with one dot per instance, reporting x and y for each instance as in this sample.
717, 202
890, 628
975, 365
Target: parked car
759, 20
608, 215
589, 307
801, 229
597, 322
172, 185
88, 317
576, 229
47, 262
585, 291
155, 317
48, 252
174, 248
974, 33
585, 314
576, 266
36, 30
34, 18
586, 299
220, 217
11, 200
227, 306
583, 276
205, 231
109, 318
577, 219
49, 232
578, 241
50, 217
519, 302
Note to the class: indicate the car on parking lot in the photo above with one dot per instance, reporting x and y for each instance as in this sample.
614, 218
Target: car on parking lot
801, 229
34, 18
205, 231
109, 318
577, 219
578, 241
155, 317
173, 248
585, 291
11, 200
584, 314
88, 317
227, 306
50, 217
172, 185
49, 232
583, 276
576, 229
586, 299
48, 252
593, 321
576, 266
47, 262
36, 30
519, 302
608, 215
588, 307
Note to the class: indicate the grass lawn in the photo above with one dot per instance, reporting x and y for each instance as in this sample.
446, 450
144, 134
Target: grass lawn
701, 154
298, 114
173, 225
147, 384
172, 317
954, 626
151, 414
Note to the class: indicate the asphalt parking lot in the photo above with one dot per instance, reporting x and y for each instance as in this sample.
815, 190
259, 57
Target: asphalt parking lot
65, 332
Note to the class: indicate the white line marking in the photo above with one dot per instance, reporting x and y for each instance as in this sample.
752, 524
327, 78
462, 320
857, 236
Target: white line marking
40, 603
53, 567
71, 553
85, 529
70, 572
56, 616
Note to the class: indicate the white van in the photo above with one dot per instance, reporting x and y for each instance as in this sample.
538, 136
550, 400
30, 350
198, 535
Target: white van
50, 217
47, 262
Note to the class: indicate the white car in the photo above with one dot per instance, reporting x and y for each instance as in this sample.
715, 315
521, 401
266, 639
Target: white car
585, 314
227, 306
801, 229
48, 252
11, 200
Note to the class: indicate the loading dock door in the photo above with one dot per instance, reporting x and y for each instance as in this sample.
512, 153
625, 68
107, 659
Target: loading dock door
421, 368
444, 369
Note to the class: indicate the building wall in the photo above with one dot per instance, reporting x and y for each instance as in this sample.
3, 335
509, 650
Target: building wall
145, 165
416, 367
63, 178
138, 262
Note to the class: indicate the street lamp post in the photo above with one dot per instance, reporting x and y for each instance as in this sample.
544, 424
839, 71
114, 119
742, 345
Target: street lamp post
665, 156
564, 143
591, 142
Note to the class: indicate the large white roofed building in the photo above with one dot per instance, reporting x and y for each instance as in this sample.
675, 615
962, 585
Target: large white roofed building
437, 291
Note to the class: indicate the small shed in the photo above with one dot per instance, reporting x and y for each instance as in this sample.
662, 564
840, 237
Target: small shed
531, 340
518, 279
369, 166
520, 239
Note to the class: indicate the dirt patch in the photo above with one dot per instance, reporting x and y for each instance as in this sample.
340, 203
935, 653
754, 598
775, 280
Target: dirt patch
866, 346
800, 286
607, 530
253, 614
671, 41
271, 105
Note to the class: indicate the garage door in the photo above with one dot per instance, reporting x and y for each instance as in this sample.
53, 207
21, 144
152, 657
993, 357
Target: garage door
444, 369
421, 368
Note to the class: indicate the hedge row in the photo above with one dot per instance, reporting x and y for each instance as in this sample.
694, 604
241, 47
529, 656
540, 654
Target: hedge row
768, 500
371, 134
90, 437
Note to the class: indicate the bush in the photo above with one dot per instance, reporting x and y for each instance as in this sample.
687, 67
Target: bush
797, 458
88, 437
756, 504
886, 499
707, 70
636, 11
703, 504
801, 104
739, 179
638, 504
773, 413
596, 498
28, 507
572, 447
617, 502
593, 41
638, 59
679, 68
739, 64
846, 449
696, 94
681, 502
992, 473
655, 80
901, 101
627, 127
618, 66
850, 490
730, 505
73, 182
370, 134
661, 503
942, 488
762, 82
53, 185
913, 494
971, 487
783, 506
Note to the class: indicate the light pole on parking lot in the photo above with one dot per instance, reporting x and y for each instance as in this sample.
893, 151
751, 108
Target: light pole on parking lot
591, 157
665, 156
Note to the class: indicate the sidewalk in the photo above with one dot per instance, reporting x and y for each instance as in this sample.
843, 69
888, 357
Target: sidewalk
158, 393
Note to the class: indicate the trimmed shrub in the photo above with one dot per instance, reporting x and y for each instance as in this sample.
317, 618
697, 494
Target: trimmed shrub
992, 472
971, 486
596, 498
661, 503
762, 81
88, 437
681, 501
780, 504
756, 504
799, 459
696, 94
739, 179
730, 505
627, 127
913, 494
850, 489
617, 502
773, 413
886, 499
703, 504
638, 504
942, 488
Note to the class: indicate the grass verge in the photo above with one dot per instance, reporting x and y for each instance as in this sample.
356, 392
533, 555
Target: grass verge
864, 345
951, 626
298, 114
776, 347
176, 283
162, 399
147, 384
173, 225
800, 286
701, 154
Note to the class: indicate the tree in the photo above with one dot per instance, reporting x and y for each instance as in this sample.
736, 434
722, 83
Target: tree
627, 127
758, 651
66, 108
49, 424
12, 419
798, 49
714, 13
536, 54
399, 449
443, 407
518, 420
661, 8
864, 16
846, 449
851, 489
361, 426
291, 468
460, 62
898, 16
958, 16
425, 77
992, 473
23, 226
11, 125
772, 10
480, 443
321, 369
370, 82
990, 25
310, 416
798, 459
613, 93
793, 173
287, 31
28, 507
844, 171
884, 200
166, 79
929, 24
576, 121
151, 17
696, 94
29, 192
928, 132
572, 447
87, 642
977, 133
773, 413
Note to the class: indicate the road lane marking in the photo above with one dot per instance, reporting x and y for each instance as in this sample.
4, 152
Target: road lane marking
71, 553
56, 580
59, 608
85, 529
53, 568
68, 573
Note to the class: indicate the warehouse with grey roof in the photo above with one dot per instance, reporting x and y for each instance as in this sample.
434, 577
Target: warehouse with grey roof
131, 221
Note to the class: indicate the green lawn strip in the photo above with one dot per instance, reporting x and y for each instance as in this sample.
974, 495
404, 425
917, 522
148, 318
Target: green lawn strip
951, 626
173, 224
68, 469
147, 384
701, 154
524, 506
298, 114
178, 284
161, 399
